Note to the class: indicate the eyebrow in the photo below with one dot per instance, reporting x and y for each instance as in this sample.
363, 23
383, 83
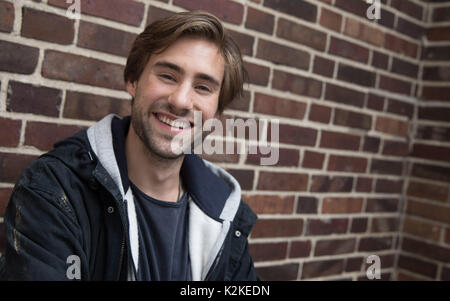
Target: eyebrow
178, 69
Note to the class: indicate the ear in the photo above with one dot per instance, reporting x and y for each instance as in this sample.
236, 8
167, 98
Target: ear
131, 88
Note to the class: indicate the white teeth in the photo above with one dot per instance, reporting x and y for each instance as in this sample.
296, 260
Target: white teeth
173, 123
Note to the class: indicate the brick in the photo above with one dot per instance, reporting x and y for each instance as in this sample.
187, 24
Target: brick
355, 75
322, 268
433, 133
447, 236
417, 266
353, 264
386, 167
260, 21
296, 84
382, 205
421, 228
104, 39
395, 85
257, 74
385, 224
226, 10
5, 194
430, 211
41, 26
434, 113
436, 93
395, 148
431, 152
326, 226
349, 50
10, 132
285, 272
344, 95
307, 205
287, 157
303, 10
436, 73
438, 33
436, 53
319, 113
341, 205
405, 68
297, 135
18, 58
268, 251
124, 11
408, 7
371, 144
441, 14
347, 164
367, 244
391, 126
300, 249
356, 7
352, 119
313, 160
334, 246
241, 103
362, 32
93, 107
244, 177
410, 29
445, 274
273, 105
82, 70
330, 20
331, 184
156, 13
400, 46
6, 16
363, 185
270, 204
389, 186
429, 250
359, 225
380, 60
12, 166
26, 98
244, 41
277, 228
432, 172
338, 140
400, 108
34, 134
301, 34
387, 19
283, 55
428, 191
323, 66
282, 181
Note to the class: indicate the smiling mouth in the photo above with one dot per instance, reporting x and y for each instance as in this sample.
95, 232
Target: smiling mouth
178, 123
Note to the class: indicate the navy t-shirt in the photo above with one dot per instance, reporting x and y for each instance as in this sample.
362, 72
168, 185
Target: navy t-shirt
163, 238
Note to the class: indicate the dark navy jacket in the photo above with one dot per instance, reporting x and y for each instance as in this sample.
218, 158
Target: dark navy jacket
71, 202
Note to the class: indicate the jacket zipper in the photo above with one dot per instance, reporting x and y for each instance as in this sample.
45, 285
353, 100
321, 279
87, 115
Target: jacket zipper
122, 251
215, 264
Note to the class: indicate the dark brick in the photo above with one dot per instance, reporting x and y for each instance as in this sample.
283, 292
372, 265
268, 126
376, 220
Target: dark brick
371, 144
320, 113
12, 166
321, 268
301, 34
26, 98
375, 102
300, 249
244, 41
287, 157
432, 172
344, 95
400, 108
359, 225
408, 7
313, 160
44, 135
395, 85
307, 205
417, 265
299, 9
296, 84
268, 251
283, 55
349, 50
380, 60
297, 135
259, 20
323, 66
432, 152
436, 73
363, 185
257, 74
282, 181
41, 25
326, 226
18, 58
436, 53
428, 191
347, 164
354, 264
356, 7
356, 75
272, 105
367, 244
352, 119
226, 10
382, 205
434, 113
105, 39
339, 140
386, 167
5, 194
385, 224
277, 228
405, 68
410, 29
334, 246
283, 272
10, 132
331, 184
436, 93
6, 16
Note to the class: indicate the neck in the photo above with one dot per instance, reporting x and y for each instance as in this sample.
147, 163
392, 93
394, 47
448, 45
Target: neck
155, 176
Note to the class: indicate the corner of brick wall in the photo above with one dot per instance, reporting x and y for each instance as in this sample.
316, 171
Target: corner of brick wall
363, 109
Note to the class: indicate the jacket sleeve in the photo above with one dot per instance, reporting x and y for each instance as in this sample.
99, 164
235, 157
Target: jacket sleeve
42, 236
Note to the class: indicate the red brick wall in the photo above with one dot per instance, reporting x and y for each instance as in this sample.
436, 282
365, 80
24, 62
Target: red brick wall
363, 107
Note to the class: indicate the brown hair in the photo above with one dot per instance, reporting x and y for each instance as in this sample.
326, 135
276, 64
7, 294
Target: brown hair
160, 34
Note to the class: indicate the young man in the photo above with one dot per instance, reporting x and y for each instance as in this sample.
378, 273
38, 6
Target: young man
117, 202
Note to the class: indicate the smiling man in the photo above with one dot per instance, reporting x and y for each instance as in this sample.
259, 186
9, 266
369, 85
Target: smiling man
117, 202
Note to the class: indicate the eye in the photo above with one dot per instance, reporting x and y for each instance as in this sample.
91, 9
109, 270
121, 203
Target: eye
203, 88
167, 77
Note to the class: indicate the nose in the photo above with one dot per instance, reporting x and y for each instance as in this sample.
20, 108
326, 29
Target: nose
180, 98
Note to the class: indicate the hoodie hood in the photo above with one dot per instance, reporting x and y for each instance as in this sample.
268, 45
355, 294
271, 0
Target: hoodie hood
214, 200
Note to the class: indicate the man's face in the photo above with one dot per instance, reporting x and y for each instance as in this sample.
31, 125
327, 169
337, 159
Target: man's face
184, 78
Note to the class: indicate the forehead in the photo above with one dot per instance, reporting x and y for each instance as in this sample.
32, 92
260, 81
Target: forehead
192, 55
